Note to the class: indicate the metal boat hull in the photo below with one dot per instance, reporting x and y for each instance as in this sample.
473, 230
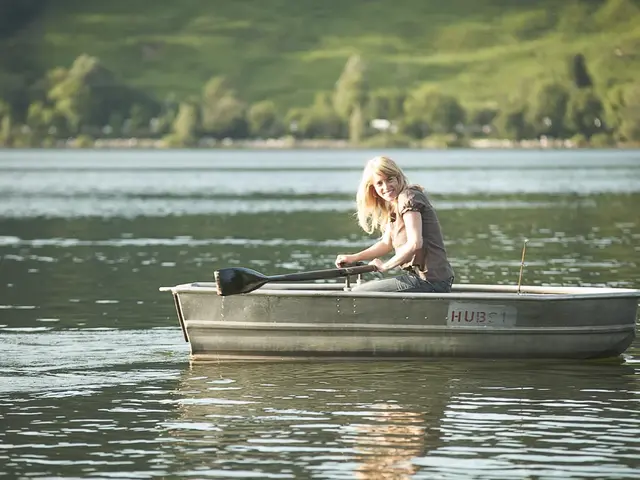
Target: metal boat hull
296, 321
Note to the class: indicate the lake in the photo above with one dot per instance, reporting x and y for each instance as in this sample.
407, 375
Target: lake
95, 378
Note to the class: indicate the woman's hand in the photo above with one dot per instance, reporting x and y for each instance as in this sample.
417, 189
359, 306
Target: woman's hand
379, 264
342, 260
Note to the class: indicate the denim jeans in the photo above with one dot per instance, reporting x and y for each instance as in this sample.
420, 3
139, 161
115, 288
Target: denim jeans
407, 282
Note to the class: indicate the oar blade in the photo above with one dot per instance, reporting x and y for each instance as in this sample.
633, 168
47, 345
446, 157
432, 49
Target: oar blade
236, 280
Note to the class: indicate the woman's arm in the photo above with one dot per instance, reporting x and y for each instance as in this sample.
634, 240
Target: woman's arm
378, 249
413, 226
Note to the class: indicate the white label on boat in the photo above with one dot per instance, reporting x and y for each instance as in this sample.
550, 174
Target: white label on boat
463, 314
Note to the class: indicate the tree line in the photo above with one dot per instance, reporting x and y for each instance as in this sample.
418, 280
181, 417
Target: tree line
87, 101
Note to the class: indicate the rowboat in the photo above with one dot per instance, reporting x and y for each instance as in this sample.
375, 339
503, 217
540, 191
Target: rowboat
330, 320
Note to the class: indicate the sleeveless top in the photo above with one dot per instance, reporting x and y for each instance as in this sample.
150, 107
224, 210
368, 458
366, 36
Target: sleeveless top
432, 257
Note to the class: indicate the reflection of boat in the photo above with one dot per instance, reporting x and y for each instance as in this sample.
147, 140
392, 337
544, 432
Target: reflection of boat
287, 321
421, 419
345, 419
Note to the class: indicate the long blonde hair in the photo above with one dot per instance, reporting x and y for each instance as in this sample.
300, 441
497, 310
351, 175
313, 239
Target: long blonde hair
374, 213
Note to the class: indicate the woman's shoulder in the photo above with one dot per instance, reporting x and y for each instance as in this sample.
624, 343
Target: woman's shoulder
411, 193
412, 198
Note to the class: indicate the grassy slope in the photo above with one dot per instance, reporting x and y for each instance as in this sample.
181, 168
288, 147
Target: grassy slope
480, 50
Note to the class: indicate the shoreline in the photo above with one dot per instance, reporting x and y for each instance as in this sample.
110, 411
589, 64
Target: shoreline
289, 144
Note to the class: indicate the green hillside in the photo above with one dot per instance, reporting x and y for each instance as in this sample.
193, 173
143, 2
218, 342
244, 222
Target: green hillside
286, 50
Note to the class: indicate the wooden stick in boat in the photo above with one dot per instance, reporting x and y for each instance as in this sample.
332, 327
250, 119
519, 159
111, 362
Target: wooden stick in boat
524, 248
235, 280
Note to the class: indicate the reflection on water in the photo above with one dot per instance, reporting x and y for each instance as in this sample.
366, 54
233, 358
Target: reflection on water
433, 419
94, 372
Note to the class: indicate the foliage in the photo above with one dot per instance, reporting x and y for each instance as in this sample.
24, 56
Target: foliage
186, 125
388, 140
423, 72
356, 125
264, 120
585, 113
41, 119
579, 140
387, 103
223, 114
602, 140
549, 109
351, 88
321, 120
578, 72
481, 120
12, 90
88, 94
630, 113
473, 49
84, 141
512, 123
444, 141
431, 111
5, 127
293, 121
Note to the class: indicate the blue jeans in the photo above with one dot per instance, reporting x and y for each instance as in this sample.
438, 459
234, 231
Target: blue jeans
407, 282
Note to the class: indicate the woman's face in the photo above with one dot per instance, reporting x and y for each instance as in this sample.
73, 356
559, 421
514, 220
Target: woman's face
387, 188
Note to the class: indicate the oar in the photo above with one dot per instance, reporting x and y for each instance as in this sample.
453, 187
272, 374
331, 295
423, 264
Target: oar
234, 280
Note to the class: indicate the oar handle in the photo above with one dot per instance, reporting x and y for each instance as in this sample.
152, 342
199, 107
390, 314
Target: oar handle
322, 274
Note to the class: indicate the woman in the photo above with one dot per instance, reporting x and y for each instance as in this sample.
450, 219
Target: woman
409, 225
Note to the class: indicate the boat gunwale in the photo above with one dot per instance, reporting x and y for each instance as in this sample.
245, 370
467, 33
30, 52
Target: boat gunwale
474, 292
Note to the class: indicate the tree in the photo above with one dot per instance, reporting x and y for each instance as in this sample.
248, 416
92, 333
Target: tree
5, 125
445, 114
88, 94
13, 90
429, 111
264, 120
293, 121
351, 87
356, 125
585, 113
214, 90
321, 120
578, 72
629, 113
549, 109
41, 120
223, 115
162, 124
138, 120
71, 98
185, 126
481, 120
387, 103
511, 122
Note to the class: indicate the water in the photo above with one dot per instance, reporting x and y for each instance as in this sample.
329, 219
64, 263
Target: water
95, 380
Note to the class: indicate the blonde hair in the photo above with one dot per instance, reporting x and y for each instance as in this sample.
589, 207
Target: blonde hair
374, 213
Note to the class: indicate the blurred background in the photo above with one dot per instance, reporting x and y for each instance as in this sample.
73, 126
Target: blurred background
408, 73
